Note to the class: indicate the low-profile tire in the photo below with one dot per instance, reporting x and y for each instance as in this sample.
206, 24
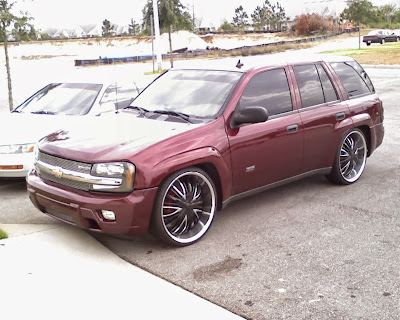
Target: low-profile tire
350, 159
184, 207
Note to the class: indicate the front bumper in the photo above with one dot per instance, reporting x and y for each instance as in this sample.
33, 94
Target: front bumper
12, 160
83, 209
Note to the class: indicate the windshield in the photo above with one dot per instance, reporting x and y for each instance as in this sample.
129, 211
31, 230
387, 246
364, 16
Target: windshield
62, 98
198, 93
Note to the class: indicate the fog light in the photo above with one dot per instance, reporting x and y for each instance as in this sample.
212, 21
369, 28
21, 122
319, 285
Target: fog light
108, 215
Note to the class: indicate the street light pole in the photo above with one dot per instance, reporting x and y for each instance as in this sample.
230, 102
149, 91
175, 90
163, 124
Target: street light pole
157, 35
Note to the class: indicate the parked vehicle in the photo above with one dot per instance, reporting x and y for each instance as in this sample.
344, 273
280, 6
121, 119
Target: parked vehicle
195, 140
48, 110
381, 36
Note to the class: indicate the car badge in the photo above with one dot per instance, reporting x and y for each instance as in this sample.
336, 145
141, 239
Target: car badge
57, 173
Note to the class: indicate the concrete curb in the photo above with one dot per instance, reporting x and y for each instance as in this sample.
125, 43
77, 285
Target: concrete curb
53, 271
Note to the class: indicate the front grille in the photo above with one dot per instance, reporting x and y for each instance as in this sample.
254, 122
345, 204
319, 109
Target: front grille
65, 163
71, 165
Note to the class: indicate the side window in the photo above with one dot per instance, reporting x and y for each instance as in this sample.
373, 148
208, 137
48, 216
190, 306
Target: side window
329, 91
353, 81
270, 90
309, 84
121, 94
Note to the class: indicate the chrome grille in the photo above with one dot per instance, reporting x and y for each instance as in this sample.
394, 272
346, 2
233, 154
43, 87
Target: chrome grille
72, 165
65, 164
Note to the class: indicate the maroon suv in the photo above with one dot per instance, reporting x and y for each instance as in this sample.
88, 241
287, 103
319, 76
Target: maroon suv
195, 140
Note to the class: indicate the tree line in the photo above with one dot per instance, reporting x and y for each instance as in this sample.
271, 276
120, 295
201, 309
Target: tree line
364, 12
175, 16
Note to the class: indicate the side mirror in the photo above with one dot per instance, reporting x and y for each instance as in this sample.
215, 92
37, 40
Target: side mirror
249, 115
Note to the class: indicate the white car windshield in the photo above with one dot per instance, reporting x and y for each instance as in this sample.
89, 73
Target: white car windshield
62, 98
198, 93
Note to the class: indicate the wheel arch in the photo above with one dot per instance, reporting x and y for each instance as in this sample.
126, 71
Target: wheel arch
207, 159
367, 133
212, 171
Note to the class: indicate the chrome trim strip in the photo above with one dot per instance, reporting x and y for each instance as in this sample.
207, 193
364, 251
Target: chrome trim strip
77, 176
274, 185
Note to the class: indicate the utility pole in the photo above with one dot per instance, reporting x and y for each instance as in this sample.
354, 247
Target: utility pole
152, 40
157, 35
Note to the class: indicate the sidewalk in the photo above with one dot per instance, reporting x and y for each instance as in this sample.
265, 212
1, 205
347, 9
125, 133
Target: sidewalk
61, 272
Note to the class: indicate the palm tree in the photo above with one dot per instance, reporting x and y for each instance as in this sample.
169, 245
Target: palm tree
169, 19
7, 19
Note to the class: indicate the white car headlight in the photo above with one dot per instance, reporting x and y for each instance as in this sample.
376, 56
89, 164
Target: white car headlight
17, 148
119, 170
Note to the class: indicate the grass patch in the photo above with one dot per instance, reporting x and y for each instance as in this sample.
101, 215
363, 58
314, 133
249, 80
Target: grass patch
388, 53
3, 234
155, 72
256, 50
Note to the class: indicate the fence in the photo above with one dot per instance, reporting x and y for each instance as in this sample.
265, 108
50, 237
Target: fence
195, 53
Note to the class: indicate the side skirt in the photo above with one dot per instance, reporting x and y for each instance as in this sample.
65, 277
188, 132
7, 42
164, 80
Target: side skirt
323, 171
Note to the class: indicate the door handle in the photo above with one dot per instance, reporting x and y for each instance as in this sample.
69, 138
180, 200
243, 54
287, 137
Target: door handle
292, 128
340, 116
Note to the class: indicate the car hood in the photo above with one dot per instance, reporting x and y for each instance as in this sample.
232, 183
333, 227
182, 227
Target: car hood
22, 128
110, 137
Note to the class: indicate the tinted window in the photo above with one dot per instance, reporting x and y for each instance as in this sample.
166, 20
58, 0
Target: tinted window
363, 74
352, 80
309, 84
329, 92
270, 90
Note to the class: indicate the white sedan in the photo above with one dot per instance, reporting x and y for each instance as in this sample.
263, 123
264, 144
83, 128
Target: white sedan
49, 109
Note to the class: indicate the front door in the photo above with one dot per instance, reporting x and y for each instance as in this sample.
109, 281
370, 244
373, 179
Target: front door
271, 151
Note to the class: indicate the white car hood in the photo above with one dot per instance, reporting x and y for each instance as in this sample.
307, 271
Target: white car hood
21, 128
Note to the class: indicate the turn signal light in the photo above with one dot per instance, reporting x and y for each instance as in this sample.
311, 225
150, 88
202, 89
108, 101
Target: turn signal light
19, 167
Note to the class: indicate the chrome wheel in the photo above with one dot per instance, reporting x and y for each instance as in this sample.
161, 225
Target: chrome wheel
186, 207
353, 155
350, 159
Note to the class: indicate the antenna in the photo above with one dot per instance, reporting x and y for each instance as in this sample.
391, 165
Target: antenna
239, 64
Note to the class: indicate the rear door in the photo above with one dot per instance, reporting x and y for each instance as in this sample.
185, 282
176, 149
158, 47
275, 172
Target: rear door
322, 115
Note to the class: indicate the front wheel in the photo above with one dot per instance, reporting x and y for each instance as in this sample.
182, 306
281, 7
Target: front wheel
350, 158
185, 207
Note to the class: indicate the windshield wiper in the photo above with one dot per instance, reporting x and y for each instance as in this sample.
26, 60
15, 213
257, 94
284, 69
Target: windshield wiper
180, 115
142, 111
44, 112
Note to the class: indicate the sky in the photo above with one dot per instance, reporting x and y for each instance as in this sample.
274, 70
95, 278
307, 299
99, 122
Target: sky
69, 13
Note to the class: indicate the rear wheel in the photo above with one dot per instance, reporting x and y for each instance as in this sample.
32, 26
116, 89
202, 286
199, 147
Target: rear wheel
383, 41
368, 43
350, 158
184, 207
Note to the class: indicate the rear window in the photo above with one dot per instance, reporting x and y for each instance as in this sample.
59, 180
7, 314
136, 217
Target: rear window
353, 77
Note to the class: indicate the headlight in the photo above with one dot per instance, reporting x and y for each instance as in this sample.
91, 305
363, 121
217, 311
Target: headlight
121, 171
17, 148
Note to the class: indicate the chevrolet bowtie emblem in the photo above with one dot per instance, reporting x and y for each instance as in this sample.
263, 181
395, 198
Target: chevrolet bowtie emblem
57, 173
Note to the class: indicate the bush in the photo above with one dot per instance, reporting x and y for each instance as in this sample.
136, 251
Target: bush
307, 24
